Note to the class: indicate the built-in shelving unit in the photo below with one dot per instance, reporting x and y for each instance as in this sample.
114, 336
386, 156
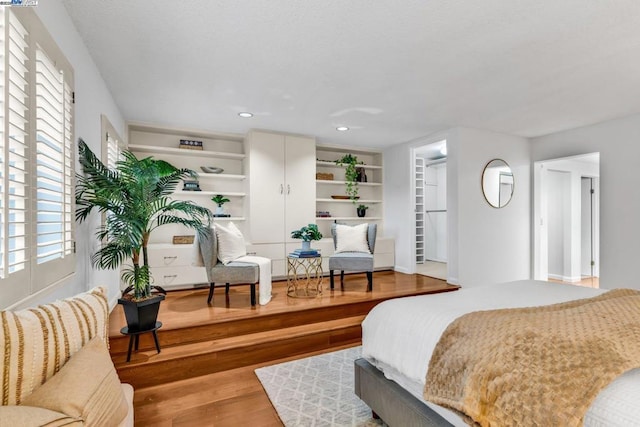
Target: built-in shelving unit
419, 209
220, 150
370, 192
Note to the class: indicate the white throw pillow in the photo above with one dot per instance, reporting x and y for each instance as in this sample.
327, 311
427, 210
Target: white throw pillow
231, 244
352, 239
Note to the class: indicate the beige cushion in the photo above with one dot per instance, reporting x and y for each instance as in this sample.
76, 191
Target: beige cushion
231, 244
35, 343
352, 239
86, 388
29, 416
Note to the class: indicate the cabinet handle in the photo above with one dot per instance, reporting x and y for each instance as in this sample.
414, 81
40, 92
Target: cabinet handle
171, 257
170, 276
288, 189
281, 189
251, 253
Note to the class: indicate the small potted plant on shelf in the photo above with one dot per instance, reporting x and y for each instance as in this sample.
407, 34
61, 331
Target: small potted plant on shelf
307, 234
362, 210
135, 198
350, 175
219, 200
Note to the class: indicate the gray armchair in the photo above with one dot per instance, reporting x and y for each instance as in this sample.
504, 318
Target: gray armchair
232, 273
353, 261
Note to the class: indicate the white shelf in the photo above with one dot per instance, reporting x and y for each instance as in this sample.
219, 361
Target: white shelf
185, 152
359, 201
208, 193
229, 218
364, 184
334, 165
221, 176
348, 218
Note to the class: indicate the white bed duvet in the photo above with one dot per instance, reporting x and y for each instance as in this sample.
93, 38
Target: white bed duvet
399, 336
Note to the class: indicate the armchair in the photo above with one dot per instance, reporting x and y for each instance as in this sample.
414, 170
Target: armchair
235, 272
353, 260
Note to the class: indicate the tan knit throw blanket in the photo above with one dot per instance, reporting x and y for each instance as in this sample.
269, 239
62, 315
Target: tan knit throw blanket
539, 366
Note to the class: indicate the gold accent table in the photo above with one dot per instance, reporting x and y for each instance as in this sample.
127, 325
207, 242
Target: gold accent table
304, 277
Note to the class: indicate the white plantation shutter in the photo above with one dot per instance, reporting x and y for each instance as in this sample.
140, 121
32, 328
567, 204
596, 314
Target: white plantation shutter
114, 151
16, 148
36, 156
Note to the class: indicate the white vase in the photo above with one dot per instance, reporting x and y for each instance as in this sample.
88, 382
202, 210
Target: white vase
219, 210
306, 245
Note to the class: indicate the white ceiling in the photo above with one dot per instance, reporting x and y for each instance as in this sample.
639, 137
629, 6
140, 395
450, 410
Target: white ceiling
390, 70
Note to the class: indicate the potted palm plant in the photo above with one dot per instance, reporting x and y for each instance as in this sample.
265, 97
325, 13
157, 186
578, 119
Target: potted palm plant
135, 198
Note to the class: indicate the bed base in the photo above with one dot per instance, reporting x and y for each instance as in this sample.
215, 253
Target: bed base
393, 404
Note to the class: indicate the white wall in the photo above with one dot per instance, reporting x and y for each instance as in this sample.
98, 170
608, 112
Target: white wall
492, 245
617, 142
485, 245
557, 189
435, 222
92, 99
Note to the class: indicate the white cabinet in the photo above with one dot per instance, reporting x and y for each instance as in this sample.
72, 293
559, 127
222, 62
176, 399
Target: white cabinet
282, 192
176, 266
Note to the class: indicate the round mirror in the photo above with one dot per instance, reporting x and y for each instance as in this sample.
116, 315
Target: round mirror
497, 183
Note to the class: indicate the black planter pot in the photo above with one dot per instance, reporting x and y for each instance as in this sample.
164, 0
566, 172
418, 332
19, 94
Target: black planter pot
141, 315
361, 212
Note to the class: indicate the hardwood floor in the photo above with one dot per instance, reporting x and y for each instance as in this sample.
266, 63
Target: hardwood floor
589, 282
204, 374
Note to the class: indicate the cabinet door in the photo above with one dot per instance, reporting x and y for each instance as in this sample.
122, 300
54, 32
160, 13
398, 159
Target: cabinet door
267, 187
300, 177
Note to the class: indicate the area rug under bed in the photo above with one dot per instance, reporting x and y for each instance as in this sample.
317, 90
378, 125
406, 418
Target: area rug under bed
316, 391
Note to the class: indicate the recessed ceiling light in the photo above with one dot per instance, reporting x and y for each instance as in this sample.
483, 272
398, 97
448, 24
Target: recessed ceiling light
245, 114
342, 128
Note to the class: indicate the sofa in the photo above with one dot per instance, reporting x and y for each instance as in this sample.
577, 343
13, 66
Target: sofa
56, 367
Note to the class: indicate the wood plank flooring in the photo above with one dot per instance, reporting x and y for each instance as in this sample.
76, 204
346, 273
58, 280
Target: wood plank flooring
204, 374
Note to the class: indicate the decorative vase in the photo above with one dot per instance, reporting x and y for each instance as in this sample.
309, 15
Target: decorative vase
361, 212
219, 210
306, 245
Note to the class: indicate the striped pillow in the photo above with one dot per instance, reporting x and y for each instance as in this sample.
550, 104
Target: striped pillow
35, 343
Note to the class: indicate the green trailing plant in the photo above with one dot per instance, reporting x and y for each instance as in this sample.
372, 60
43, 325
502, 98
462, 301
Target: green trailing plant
135, 198
350, 175
307, 233
219, 200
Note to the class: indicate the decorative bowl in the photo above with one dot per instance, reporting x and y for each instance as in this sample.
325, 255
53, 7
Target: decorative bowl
211, 169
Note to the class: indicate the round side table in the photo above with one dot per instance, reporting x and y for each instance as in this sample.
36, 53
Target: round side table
304, 277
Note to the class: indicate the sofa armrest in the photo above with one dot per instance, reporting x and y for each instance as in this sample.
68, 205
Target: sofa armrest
86, 388
30, 416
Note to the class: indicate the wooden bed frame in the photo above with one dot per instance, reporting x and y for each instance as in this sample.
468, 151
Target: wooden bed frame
390, 402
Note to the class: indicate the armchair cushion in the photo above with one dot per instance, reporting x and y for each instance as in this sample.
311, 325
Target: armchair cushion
231, 245
351, 261
235, 272
352, 238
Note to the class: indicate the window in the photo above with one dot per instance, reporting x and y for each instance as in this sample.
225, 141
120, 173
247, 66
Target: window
112, 144
36, 157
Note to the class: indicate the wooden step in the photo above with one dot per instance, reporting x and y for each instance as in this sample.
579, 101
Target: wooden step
148, 368
225, 328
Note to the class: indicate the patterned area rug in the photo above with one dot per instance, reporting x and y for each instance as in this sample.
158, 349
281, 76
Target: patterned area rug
317, 391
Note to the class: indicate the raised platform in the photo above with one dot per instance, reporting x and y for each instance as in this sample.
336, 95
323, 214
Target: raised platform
197, 339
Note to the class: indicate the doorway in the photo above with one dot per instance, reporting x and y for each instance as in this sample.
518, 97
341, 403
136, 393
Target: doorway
566, 220
430, 195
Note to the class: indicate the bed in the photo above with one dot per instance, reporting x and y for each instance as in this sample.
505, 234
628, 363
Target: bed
399, 337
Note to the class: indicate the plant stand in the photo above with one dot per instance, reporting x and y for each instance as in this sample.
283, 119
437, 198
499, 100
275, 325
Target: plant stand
135, 336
